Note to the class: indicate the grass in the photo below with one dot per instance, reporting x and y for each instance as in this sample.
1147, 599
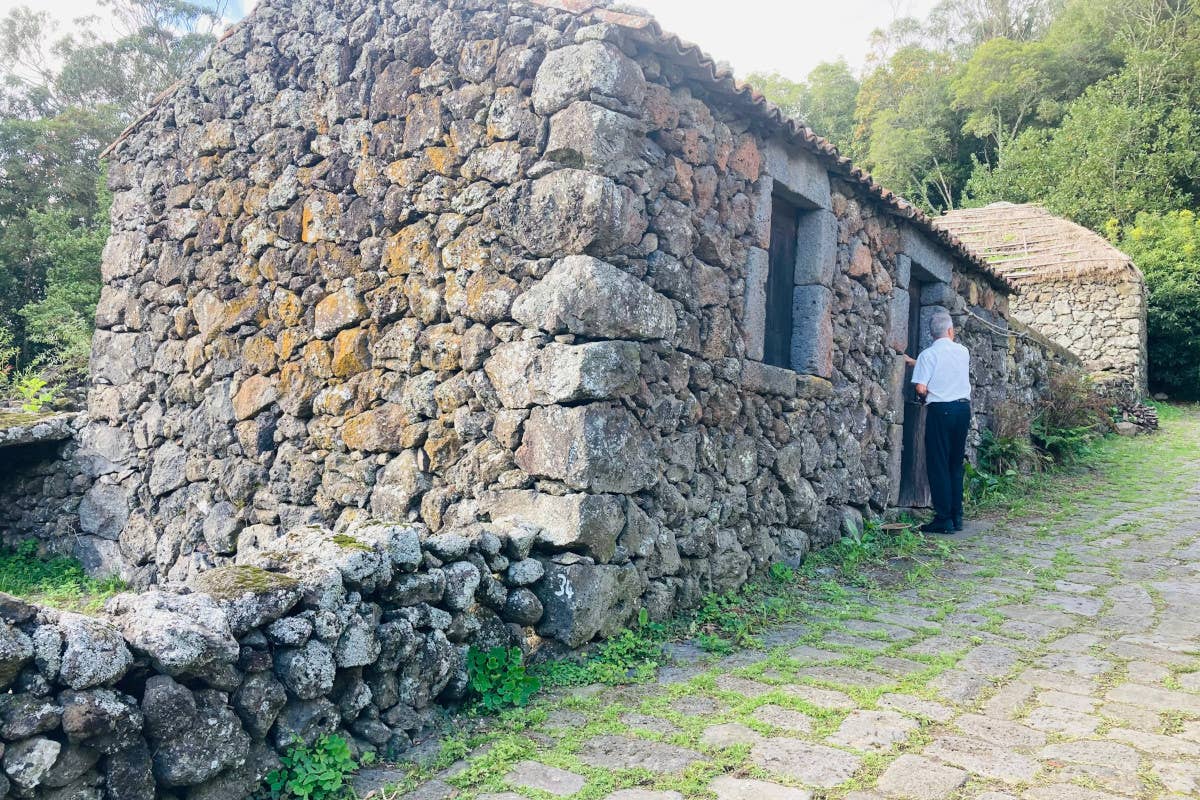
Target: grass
53, 580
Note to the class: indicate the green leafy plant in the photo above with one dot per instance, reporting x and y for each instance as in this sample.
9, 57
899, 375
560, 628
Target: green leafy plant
54, 580
498, 677
1070, 416
32, 391
782, 573
316, 772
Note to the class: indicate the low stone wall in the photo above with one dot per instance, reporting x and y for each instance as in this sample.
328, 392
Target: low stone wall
194, 695
42, 484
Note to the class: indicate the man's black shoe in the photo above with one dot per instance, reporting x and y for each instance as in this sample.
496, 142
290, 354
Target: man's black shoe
933, 527
958, 525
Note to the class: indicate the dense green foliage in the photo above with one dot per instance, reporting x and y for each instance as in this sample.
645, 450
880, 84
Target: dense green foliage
53, 579
63, 96
316, 772
1088, 106
498, 679
1167, 248
1062, 429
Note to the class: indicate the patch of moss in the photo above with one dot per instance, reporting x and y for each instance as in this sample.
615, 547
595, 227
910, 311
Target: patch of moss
231, 582
348, 542
11, 419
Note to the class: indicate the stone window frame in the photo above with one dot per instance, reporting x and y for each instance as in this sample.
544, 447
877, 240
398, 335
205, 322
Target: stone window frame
799, 178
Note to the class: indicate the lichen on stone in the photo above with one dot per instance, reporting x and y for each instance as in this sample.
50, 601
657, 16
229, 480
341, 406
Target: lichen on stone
229, 582
348, 542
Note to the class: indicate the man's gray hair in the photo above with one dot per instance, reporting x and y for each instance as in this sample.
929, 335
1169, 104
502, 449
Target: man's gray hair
940, 324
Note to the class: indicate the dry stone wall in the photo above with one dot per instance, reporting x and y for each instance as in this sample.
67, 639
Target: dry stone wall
483, 267
1103, 322
194, 695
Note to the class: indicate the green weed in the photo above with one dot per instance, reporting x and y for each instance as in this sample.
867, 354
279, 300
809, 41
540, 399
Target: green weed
318, 772
498, 678
52, 580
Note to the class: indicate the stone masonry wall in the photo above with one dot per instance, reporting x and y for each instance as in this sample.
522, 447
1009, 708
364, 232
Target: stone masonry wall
480, 267
1104, 323
193, 696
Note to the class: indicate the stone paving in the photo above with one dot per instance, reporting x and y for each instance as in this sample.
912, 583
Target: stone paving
1051, 658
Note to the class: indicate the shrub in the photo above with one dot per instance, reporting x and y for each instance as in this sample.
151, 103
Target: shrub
313, 773
1006, 446
1167, 249
33, 393
1070, 415
498, 678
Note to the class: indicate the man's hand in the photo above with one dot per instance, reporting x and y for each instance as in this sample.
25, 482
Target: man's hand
909, 360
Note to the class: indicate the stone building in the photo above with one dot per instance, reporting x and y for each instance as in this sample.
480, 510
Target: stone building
488, 268
439, 323
1073, 286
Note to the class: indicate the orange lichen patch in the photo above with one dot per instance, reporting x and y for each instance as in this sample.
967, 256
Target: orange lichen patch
259, 352
287, 308
442, 160
412, 249
350, 352
287, 342
255, 201
375, 431
320, 217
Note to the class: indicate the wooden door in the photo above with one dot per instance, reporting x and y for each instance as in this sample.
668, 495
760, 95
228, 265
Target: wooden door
914, 482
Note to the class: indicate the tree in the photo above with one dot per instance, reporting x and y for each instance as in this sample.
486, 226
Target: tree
63, 97
824, 101
907, 134
1167, 249
1129, 143
969, 23
1001, 89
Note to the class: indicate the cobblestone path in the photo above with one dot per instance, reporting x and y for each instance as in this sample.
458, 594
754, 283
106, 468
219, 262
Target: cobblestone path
1053, 657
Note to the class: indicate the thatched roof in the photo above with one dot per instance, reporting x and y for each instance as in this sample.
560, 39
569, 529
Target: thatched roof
719, 79
1027, 244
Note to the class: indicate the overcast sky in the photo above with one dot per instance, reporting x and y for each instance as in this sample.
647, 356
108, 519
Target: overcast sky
790, 37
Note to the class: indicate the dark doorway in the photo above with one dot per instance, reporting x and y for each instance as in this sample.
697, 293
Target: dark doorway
914, 483
781, 284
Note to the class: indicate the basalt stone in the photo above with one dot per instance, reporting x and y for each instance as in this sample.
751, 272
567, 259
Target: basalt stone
24, 715
306, 671
128, 773
258, 702
525, 374
306, 720
16, 650
94, 652
595, 70
588, 135
571, 211
589, 297
180, 634
522, 607
598, 447
589, 523
582, 600
28, 761
102, 719
215, 742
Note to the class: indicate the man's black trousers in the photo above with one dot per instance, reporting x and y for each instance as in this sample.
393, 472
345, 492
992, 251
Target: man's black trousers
946, 426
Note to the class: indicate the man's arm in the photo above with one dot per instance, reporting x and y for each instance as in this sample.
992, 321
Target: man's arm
922, 372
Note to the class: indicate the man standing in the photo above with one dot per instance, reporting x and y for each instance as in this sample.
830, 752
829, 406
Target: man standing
942, 378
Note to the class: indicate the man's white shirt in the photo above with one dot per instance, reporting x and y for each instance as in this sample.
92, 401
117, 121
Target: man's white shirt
945, 369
